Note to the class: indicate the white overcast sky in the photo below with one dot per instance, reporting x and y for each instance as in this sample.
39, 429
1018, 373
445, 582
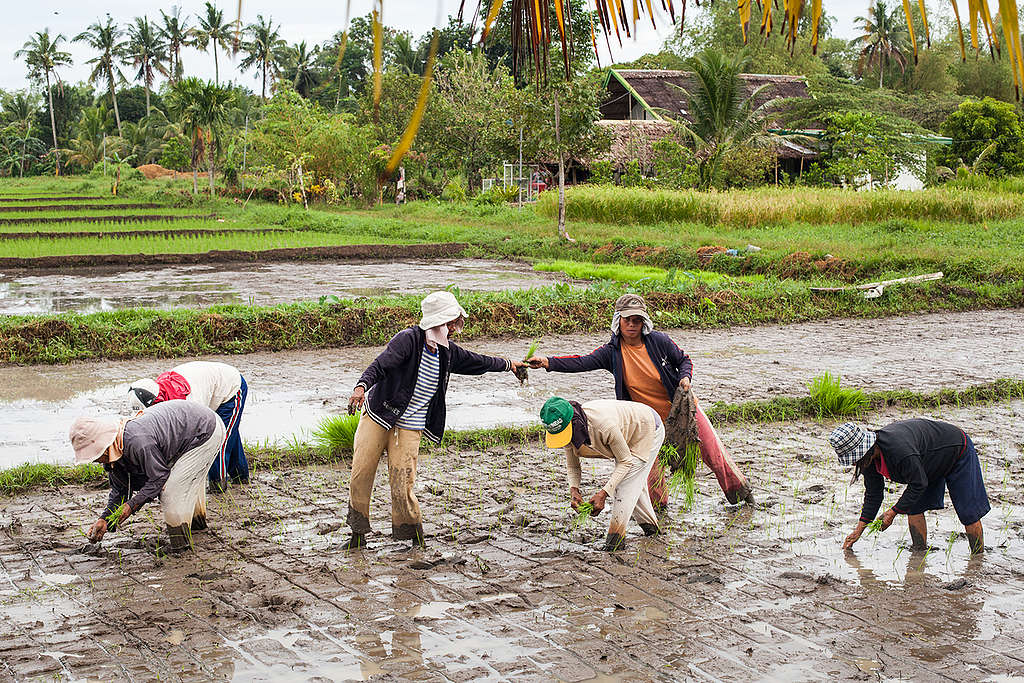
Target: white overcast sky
310, 20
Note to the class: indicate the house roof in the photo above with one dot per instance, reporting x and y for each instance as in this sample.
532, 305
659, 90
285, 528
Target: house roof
663, 92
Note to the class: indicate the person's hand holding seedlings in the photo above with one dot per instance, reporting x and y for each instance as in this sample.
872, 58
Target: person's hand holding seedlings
537, 362
598, 501
575, 498
684, 383
97, 530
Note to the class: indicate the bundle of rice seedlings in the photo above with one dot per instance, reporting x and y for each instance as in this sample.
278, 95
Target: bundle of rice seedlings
874, 526
336, 433
683, 479
832, 400
521, 373
583, 513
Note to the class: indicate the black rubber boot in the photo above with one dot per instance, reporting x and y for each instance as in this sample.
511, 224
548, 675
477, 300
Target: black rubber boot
199, 523
181, 539
615, 542
650, 529
357, 542
409, 532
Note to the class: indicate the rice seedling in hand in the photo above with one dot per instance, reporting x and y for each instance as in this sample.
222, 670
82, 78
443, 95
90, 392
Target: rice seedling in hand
521, 372
683, 479
874, 526
832, 400
583, 513
336, 433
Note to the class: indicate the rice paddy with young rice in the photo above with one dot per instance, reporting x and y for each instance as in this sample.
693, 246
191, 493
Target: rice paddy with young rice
59, 216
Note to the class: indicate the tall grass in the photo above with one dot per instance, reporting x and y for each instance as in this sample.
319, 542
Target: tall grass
617, 205
585, 270
24, 477
336, 433
832, 400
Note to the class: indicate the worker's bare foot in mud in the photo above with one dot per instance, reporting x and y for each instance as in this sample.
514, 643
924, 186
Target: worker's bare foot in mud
357, 542
199, 523
650, 529
614, 542
740, 495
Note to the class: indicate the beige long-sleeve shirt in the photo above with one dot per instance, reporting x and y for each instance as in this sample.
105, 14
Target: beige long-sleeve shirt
622, 431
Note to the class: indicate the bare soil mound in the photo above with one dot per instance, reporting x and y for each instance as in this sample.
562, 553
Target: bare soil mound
153, 171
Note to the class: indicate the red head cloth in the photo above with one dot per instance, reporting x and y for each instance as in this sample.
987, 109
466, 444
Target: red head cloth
172, 386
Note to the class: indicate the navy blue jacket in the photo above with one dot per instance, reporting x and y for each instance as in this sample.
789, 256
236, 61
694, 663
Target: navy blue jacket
668, 358
390, 379
917, 452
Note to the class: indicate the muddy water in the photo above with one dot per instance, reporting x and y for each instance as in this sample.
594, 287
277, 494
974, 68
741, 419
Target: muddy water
507, 592
106, 289
291, 391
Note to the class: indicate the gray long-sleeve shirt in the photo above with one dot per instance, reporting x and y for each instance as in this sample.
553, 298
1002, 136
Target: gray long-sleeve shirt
153, 442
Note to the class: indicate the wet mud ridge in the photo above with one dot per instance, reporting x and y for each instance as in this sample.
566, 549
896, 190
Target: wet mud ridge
352, 252
4, 201
508, 591
131, 218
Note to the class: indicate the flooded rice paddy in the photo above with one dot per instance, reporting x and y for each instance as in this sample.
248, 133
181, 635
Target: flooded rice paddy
290, 392
507, 591
88, 290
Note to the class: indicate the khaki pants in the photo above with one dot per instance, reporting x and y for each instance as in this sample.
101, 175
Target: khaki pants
184, 494
402, 446
631, 496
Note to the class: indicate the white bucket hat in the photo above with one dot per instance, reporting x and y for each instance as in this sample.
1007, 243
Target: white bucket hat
851, 442
439, 308
90, 436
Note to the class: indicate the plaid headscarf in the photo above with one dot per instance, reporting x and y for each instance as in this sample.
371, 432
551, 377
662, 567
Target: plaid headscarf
851, 443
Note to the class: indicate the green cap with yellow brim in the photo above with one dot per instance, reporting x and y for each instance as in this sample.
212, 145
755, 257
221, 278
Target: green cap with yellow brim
557, 418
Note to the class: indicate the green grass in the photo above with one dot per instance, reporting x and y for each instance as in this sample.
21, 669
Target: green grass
832, 400
94, 215
34, 248
561, 309
336, 433
752, 208
587, 270
24, 477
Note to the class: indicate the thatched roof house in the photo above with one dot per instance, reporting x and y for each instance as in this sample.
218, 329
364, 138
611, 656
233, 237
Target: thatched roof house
640, 104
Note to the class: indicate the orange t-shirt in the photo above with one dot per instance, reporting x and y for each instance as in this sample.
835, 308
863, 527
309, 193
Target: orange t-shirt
642, 379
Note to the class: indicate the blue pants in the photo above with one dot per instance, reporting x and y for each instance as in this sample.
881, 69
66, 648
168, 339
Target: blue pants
230, 460
966, 489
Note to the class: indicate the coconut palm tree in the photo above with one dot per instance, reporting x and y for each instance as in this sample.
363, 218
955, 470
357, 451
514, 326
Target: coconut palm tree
299, 67
407, 57
106, 39
211, 32
91, 141
885, 39
202, 109
262, 48
147, 52
174, 31
43, 55
723, 117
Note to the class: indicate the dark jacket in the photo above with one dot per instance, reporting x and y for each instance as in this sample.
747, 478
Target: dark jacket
670, 360
916, 453
391, 378
153, 442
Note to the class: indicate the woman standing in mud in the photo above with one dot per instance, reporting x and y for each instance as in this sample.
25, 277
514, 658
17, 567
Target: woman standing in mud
628, 433
928, 456
648, 366
162, 451
402, 396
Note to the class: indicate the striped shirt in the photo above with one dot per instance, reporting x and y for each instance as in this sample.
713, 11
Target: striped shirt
415, 415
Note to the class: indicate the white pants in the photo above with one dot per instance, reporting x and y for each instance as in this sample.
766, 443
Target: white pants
184, 494
631, 496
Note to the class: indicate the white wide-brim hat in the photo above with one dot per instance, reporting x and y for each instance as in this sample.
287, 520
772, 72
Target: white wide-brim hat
90, 436
439, 308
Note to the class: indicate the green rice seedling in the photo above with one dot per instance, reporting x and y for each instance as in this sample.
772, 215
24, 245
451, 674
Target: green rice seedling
336, 433
684, 479
832, 400
583, 513
874, 526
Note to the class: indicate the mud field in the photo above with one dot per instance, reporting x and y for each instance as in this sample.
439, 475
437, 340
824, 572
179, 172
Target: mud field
89, 290
289, 392
507, 591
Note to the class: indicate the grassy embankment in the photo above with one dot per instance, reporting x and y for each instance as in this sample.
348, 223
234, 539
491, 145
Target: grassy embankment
27, 477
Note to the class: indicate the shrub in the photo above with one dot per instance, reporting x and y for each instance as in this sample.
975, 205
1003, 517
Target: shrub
974, 127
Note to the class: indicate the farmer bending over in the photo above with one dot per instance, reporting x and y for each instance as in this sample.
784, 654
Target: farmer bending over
162, 451
402, 396
629, 433
648, 366
218, 386
926, 455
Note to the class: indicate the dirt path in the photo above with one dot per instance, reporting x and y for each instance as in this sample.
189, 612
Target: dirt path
508, 592
291, 391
